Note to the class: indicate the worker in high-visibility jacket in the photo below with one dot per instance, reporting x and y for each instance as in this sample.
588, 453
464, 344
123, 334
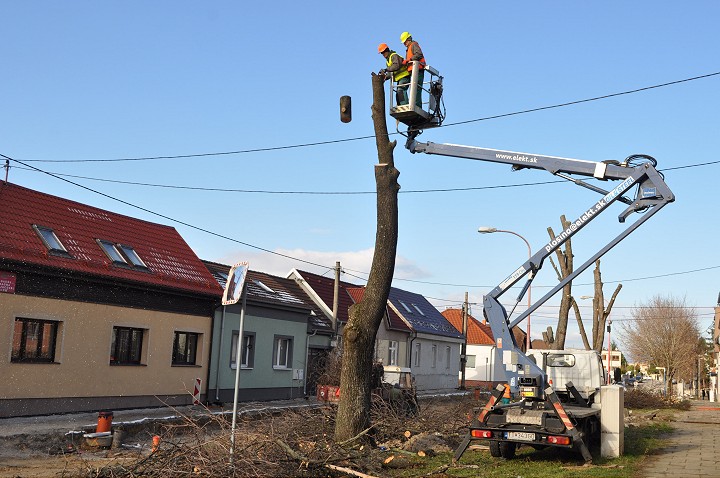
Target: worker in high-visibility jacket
395, 69
414, 54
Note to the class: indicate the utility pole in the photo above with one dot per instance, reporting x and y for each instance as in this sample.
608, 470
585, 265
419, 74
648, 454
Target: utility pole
336, 295
463, 347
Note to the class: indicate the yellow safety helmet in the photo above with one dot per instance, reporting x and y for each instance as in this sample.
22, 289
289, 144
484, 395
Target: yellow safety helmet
404, 36
382, 47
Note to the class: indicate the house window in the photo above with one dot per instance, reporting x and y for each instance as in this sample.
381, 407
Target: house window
121, 254
416, 355
393, 352
434, 356
264, 287
470, 361
126, 347
248, 351
185, 348
112, 251
447, 357
418, 309
282, 352
34, 340
50, 240
407, 309
132, 256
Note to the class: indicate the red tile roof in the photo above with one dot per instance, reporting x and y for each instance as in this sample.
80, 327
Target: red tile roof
394, 320
171, 263
478, 333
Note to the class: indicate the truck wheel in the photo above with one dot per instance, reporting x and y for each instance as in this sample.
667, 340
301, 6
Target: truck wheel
507, 449
495, 449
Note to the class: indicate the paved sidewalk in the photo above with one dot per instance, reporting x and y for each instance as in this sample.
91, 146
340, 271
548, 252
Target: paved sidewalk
693, 448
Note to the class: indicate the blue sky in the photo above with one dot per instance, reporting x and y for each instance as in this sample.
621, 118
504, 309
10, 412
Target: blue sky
89, 80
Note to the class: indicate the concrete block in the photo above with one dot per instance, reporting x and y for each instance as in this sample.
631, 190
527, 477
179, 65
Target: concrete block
612, 421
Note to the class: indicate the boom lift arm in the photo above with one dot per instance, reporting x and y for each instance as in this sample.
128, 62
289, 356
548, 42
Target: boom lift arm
651, 195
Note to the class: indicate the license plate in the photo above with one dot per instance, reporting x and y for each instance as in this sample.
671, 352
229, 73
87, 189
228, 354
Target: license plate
526, 436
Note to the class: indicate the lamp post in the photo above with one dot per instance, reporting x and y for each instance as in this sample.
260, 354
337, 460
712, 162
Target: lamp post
490, 230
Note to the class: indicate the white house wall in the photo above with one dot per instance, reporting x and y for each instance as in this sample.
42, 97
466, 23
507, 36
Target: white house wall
443, 375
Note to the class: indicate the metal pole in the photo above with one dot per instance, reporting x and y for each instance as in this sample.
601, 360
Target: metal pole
489, 230
463, 351
336, 295
609, 379
238, 366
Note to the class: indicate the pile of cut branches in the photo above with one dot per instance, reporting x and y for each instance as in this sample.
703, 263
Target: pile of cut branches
295, 442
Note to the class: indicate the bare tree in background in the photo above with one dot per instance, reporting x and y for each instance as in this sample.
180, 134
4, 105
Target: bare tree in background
600, 311
353, 416
565, 261
663, 332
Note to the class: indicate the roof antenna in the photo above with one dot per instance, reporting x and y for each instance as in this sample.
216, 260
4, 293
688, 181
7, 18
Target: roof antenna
7, 169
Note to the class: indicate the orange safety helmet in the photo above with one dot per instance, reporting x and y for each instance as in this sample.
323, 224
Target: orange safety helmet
382, 47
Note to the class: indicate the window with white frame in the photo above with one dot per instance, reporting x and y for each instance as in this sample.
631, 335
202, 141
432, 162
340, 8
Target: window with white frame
416, 355
434, 356
393, 352
447, 357
470, 361
247, 356
282, 352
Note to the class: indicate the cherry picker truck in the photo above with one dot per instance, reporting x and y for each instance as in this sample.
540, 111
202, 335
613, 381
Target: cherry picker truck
543, 416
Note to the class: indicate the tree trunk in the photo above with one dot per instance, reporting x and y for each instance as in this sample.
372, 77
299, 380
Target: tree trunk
600, 311
353, 414
565, 261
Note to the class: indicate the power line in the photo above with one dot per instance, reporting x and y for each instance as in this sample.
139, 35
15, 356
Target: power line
207, 231
322, 143
331, 193
167, 217
261, 191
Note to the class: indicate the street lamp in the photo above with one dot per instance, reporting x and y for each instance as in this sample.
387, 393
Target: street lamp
490, 230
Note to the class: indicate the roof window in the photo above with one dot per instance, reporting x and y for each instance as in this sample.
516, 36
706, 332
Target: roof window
263, 286
132, 256
50, 240
405, 307
418, 309
121, 254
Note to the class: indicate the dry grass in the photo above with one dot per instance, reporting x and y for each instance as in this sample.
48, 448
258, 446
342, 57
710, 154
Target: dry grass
644, 399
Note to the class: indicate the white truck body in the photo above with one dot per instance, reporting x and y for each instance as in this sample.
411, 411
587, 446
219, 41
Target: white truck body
583, 368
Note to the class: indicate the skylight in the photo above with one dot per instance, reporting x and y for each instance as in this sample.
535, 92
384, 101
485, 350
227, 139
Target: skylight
264, 287
49, 238
111, 251
405, 307
418, 309
121, 254
132, 256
